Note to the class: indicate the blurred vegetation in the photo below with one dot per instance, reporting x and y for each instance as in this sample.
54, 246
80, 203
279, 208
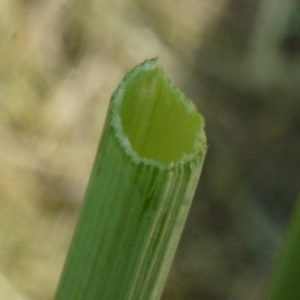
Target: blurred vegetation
237, 60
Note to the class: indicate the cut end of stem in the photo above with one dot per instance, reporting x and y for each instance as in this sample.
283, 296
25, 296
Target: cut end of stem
145, 175
158, 108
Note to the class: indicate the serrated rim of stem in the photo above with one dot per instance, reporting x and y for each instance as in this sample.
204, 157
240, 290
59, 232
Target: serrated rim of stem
116, 123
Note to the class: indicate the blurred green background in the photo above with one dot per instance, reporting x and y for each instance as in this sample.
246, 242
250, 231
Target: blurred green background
238, 60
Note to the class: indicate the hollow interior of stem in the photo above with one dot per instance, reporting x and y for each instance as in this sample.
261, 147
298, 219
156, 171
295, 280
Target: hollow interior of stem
158, 120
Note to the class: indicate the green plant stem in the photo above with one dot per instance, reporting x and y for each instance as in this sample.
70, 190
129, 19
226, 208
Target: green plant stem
145, 174
285, 284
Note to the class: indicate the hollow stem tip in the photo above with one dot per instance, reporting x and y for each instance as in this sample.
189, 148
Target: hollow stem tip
145, 174
154, 119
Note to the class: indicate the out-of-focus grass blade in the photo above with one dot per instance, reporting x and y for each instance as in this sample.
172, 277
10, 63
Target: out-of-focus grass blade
145, 174
285, 284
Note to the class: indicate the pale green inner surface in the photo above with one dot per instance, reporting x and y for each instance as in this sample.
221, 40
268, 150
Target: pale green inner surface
158, 120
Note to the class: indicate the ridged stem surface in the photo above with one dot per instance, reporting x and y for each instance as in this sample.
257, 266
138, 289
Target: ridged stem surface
145, 174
